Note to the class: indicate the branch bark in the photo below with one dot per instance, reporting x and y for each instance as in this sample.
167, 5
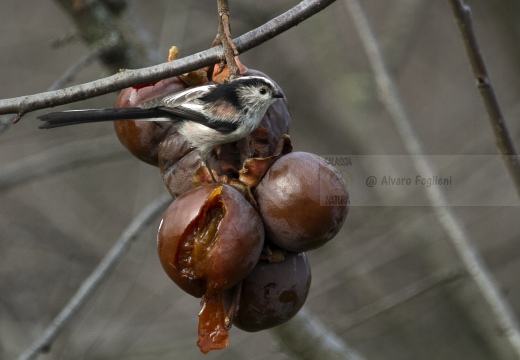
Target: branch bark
24, 104
462, 13
224, 35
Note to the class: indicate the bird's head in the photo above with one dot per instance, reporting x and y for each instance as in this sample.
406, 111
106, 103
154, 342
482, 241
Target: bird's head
256, 93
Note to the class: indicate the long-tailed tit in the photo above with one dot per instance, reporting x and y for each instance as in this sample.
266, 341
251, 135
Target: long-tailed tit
208, 115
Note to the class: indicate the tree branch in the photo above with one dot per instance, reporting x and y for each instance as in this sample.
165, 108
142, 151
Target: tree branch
121, 80
462, 13
91, 283
307, 338
486, 307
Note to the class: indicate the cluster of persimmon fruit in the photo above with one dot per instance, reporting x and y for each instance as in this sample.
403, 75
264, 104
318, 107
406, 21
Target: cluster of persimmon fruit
237, 238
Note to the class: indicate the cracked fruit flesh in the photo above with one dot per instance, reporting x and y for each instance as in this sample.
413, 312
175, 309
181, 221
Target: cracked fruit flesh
210, 238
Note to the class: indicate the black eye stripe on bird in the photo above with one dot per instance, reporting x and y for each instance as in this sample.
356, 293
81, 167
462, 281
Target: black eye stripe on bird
209, 115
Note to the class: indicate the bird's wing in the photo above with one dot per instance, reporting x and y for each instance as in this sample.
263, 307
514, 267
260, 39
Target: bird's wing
186, 104
185, 97
188, 113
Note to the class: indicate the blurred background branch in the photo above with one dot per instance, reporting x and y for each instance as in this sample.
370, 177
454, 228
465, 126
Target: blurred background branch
497, 313
61, 158
66, 78
307, 338
462, 13
113, 26
398, 299
92, 282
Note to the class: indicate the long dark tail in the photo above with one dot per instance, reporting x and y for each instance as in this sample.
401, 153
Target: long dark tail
73, 117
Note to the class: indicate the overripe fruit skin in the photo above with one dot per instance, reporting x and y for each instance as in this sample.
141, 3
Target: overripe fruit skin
273, 293
229, 245
303, 201
177, 163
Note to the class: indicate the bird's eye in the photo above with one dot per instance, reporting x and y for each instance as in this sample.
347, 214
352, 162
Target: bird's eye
263, 90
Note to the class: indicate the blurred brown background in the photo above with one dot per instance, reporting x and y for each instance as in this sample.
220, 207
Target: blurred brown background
384, 285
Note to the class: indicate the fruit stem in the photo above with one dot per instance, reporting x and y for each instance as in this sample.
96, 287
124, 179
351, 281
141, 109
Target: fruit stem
224, 35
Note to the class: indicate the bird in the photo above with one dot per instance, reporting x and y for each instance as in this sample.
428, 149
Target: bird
208, 115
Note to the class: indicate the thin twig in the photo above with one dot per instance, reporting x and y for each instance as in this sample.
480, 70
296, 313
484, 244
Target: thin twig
308, 339
107, 264
504, 331
505, 144
253, 38
224, 35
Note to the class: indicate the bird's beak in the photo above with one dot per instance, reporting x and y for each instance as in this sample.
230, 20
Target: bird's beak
277, 95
